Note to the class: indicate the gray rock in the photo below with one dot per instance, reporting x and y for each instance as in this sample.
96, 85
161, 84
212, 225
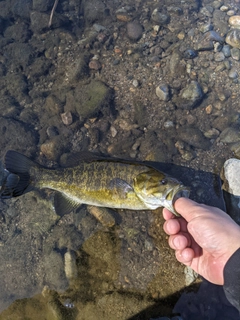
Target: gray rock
207, 41
190, 96
163, 92
20, 53
42, 5
235, 53
174, 62
231, 174
194, 137
230, 135
233, 74
189, 54
231, 187
219, 56
94, 10
15, 135
22, 8
40, 20
134, 30
226, 51
77, 68
90, 98
18, 32
160, 17
220, 21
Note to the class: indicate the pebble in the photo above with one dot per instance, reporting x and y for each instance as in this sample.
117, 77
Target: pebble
194, 137
67, 118
103, 215
159, 17
135, 83
209, 109
206, 43
168, 124
52, 131
52, 149
231, 175
189, 54
70, 265
163, 92
94, 65
234, 21
113, 131
134, 30
190, 275
233, 38
230, 13
206, 27
229, 135
226, 50
219, 56
190, 95
235, 53
224, 8
211, 133
233, 74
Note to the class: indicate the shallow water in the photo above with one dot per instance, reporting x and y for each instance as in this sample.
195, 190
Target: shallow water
145, 81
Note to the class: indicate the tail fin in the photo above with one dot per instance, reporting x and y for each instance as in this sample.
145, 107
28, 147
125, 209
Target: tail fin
19, 165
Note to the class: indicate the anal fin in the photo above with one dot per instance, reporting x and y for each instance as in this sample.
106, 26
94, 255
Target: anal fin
64, 205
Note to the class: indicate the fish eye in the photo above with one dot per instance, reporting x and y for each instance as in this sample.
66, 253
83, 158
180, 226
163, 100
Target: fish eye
164, 181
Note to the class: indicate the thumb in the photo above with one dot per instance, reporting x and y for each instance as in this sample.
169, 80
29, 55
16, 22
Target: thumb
187, 208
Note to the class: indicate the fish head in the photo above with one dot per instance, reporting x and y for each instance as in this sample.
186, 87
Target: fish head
156, 189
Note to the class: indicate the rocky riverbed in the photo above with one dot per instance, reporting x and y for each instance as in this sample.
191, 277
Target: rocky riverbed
149, 80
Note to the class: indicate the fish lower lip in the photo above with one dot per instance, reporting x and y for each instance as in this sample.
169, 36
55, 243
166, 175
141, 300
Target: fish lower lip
180, 193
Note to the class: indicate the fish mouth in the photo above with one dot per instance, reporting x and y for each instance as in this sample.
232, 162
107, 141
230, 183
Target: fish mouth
173, 195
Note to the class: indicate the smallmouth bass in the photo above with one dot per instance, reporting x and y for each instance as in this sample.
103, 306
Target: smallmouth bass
97, 181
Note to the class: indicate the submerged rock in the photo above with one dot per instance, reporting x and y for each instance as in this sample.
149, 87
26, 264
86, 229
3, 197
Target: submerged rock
233, 38
189, 96
134, 30
90, 98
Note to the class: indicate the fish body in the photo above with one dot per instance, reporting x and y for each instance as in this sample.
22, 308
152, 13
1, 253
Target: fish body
97, 181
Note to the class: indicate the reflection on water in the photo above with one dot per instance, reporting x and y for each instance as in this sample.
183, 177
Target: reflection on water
153, 80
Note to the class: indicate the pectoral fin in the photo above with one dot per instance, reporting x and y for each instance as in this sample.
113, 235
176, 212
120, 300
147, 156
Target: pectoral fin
120, 187
64, 205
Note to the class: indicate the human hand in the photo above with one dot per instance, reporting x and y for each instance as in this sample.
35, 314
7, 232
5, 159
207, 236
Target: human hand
203, 238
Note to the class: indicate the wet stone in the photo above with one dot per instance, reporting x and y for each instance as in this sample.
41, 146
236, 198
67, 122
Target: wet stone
207, 41
163, 92
230, 135
134, 30
233, 74
189, 96
219, 21
159, 17
234, 21
42, 5
94, 65
235, 53
52, 131
53, 148
189, 54
226, 51
219, 56
21, 8
233, 38
194, 137
67, 118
